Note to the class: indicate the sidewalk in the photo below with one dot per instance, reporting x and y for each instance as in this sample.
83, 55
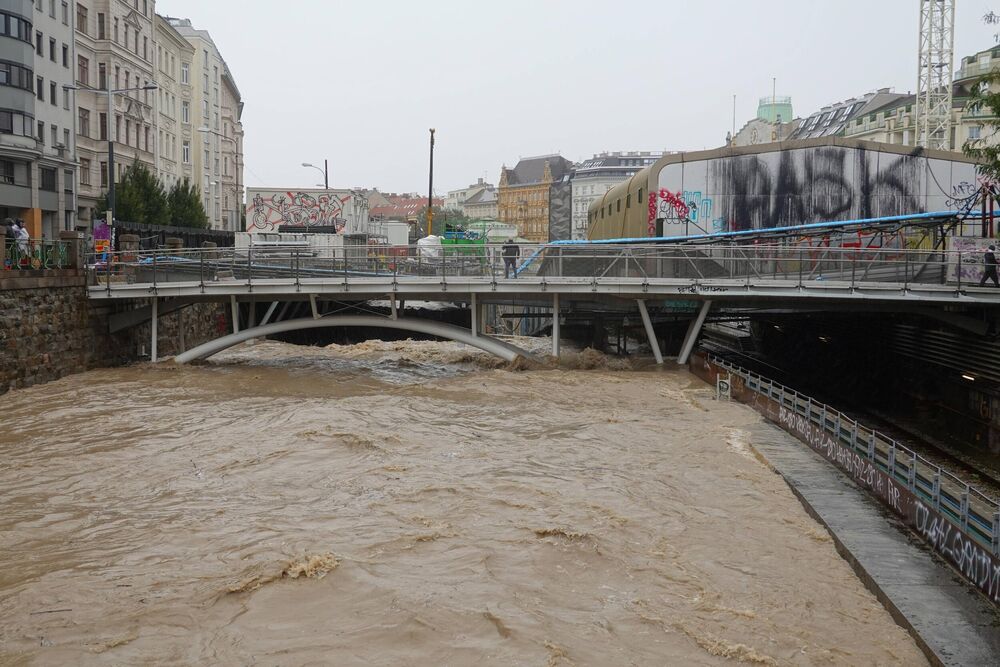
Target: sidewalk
951, 622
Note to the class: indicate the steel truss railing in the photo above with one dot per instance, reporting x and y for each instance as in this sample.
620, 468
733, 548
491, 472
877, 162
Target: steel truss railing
967, 507
731, 265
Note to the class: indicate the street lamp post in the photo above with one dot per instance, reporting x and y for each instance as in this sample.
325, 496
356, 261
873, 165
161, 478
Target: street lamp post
111, 145
325, 171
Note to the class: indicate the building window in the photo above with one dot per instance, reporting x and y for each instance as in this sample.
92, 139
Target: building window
975, 131
186, 152
66, 56
52, 93
185, 73
40, 88
84, 128
104, 174
126, 35
83, 70
102, 76
52, 50
65, 13
48, 179
102, 129
118, 128
114, 33
147, 138
16, 76
68, 181
81, 18
55, 135
52, 9
100, 26
135, 49
118, 74
145, 47
66, 137
40, 136
38, 44
186, 111
128, 132
65, 99
7, 172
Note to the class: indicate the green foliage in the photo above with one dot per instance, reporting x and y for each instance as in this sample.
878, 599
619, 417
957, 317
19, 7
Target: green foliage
185, 206
985, 101
443, 217
140, 198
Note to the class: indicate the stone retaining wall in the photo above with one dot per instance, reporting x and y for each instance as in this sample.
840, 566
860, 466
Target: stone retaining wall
49, 329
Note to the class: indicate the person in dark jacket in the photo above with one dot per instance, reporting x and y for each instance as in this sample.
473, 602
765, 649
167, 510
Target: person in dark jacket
9, 238
990, 267
511, 251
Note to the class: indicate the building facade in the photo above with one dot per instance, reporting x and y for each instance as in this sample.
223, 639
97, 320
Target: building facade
456, 198
115, 46
482, 205
55, 173
174, 133
37, 157
599, 174
213, 142
524, 191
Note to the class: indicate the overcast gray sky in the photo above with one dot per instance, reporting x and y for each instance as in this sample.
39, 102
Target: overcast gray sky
360, 82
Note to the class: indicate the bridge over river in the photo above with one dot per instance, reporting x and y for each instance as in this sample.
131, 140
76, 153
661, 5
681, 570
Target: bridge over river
557, 277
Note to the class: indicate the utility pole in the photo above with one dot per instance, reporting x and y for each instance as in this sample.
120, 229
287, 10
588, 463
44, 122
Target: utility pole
326, 175
430, 190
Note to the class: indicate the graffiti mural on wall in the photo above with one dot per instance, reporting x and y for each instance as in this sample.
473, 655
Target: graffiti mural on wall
267, 211
795, 187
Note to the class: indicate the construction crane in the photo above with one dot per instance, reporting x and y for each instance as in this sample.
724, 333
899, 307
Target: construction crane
935, 75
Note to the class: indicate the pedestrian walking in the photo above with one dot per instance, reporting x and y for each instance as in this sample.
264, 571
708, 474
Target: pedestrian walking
990, 267
9, 238
511, 251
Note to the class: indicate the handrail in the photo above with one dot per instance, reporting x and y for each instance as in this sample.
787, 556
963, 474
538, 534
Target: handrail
703, 267
969, 508
34, 254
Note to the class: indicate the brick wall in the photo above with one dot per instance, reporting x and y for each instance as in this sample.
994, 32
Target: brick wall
49, 329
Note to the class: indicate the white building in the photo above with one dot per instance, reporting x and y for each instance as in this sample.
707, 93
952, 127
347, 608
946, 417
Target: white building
456, 198
115, 47
599, 174
213, 90
174, 131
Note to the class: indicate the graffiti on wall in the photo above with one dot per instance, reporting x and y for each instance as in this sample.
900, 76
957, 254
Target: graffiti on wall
801, 186
267, 211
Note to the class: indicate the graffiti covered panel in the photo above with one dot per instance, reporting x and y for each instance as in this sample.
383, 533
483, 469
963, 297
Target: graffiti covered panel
268, 209
801, 186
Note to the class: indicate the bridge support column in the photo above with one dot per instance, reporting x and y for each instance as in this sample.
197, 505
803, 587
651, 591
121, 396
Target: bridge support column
692, 334
650, 334
236, 313
153, 330
475, 314
555, 326
270, 311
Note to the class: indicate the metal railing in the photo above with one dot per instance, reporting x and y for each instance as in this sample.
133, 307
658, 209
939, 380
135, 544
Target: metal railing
731, 266
35, 255
965, 506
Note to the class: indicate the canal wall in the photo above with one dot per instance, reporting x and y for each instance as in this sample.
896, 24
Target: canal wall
949, 539
49, 329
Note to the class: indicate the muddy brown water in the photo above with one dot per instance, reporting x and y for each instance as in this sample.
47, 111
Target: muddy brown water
409, 503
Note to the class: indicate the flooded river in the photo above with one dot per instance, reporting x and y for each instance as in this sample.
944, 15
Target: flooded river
409, 504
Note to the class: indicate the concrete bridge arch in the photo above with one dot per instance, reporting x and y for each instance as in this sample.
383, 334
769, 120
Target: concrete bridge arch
488, 344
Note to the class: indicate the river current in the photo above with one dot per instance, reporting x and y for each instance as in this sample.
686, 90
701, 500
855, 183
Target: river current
409, 503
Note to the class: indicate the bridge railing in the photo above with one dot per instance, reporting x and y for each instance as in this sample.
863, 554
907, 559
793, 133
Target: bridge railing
970, 508
747, 265
35, 254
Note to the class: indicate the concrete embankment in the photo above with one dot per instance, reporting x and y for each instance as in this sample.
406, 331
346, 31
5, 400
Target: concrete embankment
933, 601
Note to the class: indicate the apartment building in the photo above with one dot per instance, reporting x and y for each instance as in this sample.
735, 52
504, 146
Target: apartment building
214, 145
115, 47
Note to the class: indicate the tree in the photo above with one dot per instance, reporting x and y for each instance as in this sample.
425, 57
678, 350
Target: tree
139, 198
185, 206
443, 217
984, 99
